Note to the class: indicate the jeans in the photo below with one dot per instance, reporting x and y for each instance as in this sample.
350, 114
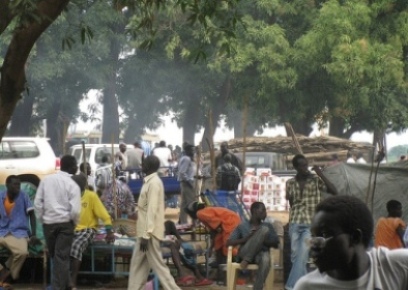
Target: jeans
299, 234
252, 252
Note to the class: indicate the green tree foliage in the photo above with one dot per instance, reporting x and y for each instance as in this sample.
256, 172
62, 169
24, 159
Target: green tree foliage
351, 61
28, 19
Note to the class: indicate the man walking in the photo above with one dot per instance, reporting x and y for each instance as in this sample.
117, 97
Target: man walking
58, 205
150, 231
303, 192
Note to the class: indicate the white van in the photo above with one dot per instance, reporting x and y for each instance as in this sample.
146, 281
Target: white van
94, 153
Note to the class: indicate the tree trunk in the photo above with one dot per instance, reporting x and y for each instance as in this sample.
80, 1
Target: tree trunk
21, 119
110, 125
133, 132
336, 127
12, 80
217, 110
302, 128
190, 121
239, 129
53, 130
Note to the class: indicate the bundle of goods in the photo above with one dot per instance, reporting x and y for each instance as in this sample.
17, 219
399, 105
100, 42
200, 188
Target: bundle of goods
262, 185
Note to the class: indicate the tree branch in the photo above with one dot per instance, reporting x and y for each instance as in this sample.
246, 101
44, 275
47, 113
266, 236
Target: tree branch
5, 15
22, 42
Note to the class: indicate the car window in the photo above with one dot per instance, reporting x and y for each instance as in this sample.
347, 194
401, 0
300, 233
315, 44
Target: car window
18, 150
77, 153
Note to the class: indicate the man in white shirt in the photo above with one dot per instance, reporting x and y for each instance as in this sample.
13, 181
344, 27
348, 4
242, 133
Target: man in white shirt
150, 231
342, 229
165, 156
57, 205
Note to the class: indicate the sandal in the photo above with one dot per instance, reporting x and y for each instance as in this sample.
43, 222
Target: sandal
204, 282
185, 281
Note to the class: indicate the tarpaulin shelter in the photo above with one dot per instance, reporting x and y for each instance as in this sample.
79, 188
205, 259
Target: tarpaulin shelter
353, 179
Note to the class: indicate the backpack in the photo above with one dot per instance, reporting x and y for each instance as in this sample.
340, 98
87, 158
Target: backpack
228, 177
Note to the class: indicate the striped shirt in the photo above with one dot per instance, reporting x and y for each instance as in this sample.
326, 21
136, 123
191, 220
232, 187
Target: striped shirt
303, 205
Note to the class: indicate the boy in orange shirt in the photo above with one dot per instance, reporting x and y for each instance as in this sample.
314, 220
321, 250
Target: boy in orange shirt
390, 230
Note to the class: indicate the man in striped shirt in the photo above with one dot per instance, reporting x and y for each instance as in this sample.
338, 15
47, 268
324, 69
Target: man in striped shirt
303, 192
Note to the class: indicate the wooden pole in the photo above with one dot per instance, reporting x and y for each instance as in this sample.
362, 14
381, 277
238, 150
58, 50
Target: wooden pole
84, 162
114, 191
291, 133
197, 177
212, 153
244, 134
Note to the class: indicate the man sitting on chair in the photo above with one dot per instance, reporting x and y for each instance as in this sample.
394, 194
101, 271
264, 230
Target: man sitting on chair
91, 212
15, 211
255, 237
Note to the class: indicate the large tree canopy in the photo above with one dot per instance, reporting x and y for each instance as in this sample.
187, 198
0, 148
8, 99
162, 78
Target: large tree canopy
26, 21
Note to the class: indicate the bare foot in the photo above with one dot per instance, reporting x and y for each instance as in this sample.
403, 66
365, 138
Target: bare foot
244, 264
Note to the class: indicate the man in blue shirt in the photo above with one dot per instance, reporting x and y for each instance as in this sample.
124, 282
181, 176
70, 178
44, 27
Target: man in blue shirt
15, 210
255, 238
186, 172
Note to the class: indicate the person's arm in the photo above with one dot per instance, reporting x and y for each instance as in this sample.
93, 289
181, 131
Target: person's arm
39, 202
289, 196
74, 197
130, 200
237, 238
330, 187
401, 231
101, 213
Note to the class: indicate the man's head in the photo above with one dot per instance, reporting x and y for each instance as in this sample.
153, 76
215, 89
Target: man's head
150, 165
227, 158
300, 164
122, 147
193, 207
137, 144
258, 211
224, 148
341, 229
394, 208
69, 164
189, 150
80, 179
13, 185
105, 158
162, 144
82, 168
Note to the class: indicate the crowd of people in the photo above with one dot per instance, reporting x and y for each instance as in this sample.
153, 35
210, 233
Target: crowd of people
337, 233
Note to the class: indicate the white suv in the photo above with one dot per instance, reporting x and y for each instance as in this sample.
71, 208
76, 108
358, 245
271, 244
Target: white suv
94, 153
31, 158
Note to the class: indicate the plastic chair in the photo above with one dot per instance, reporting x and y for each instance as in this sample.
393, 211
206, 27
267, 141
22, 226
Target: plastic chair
232, 268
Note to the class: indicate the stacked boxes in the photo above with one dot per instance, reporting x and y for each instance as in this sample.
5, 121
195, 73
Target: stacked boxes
261, 185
